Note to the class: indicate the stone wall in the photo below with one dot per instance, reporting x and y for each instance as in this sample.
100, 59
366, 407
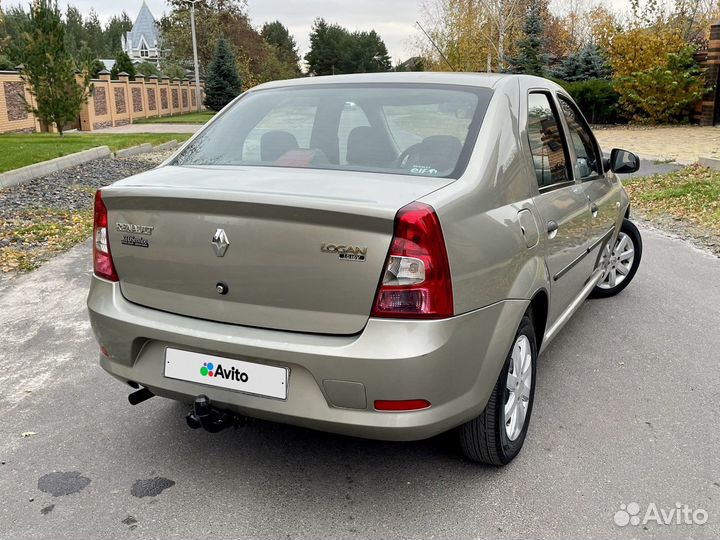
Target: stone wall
117, 103
111, 103
14, 117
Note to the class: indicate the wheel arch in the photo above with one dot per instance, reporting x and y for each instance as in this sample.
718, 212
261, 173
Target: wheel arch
538, 309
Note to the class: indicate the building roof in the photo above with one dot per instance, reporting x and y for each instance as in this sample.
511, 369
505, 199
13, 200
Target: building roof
145, 26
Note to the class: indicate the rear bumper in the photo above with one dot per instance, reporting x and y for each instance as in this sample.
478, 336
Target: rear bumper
452, 363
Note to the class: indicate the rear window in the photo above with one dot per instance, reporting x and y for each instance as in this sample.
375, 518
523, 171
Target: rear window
422, 130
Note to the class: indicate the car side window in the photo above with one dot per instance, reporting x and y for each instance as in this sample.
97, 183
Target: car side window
587, 153
547, 142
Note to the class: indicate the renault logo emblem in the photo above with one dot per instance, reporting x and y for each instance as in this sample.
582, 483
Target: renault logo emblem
220, 242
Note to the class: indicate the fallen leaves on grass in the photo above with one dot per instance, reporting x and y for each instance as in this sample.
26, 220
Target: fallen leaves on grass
691, 195
32, 236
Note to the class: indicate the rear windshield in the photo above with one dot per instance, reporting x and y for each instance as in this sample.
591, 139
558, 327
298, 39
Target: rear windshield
422, 130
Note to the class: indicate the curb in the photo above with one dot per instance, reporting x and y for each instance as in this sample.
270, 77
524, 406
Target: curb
134, 150
170, 145
713, 163
30, 172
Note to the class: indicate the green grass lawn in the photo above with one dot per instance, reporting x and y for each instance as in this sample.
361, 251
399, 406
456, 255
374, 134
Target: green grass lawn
189, 118
20, 150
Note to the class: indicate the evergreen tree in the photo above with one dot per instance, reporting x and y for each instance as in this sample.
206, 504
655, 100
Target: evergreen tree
74, 31
334, 50
328, 43
277, 35
16, 23
116, 28
283, 58
49, 68
223, 83
123, 63
94, 36
589, 63
530, 59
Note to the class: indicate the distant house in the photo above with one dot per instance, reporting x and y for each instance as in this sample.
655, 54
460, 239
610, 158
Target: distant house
144, 43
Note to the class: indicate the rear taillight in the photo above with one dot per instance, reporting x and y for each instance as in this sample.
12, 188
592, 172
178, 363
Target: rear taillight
416, 279
102, 258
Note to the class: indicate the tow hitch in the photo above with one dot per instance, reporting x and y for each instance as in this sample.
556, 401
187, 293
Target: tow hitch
210, 418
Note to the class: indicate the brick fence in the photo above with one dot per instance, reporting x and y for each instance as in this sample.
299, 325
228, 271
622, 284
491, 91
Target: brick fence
14, 118
710, 112
111, 103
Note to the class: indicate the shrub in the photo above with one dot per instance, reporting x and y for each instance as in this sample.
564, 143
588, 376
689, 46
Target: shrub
123, 64
663, 94
147, 69
597, 99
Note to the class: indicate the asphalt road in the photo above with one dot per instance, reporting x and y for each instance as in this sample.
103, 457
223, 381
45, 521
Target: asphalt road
627, 410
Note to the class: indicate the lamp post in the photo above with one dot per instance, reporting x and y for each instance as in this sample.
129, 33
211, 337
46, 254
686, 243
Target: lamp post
195, 56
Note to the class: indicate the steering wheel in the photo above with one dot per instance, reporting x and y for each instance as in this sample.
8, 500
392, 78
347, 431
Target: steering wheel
401, 162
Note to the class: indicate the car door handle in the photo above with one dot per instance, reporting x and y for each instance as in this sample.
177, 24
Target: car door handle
594, 209
552, 229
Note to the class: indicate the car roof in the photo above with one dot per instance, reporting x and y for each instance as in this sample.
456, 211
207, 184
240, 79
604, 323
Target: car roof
482, 80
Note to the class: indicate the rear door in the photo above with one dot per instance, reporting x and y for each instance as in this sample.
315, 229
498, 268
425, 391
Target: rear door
561, 203
602, 192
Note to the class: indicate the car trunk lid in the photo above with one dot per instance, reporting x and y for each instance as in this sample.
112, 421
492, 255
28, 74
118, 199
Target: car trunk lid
304, 249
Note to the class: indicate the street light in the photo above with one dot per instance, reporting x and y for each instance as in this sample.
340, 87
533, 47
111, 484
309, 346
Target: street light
195, 56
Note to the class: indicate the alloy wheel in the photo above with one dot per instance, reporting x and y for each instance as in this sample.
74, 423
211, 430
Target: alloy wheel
518, 385
619, 262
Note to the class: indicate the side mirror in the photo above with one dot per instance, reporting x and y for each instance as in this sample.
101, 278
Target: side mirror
622, 162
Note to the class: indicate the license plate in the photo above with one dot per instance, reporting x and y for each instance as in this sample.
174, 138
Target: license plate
248, 377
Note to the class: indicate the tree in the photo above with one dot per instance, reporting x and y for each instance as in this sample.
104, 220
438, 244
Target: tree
94, 36
116, 28
334, 50
147, 69
653, 66
215, 19
368, 54
530, 59
74, 31
589, 63
666, 93
277, 35
222, 84
16, 22
123, 64
49, 68
283, 58
473, 35
174, 71
328, 44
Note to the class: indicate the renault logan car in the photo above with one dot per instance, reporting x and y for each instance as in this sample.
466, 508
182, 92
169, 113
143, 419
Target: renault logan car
382, 256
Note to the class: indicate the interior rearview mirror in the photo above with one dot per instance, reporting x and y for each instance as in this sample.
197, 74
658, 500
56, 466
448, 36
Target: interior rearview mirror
622, 162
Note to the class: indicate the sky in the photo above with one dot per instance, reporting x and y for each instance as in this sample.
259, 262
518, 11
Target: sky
394, 20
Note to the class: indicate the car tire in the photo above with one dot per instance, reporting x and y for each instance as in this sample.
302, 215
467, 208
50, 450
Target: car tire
489, 438
627, 242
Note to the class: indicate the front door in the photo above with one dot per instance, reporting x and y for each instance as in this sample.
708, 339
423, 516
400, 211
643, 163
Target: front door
561, 203
602, 191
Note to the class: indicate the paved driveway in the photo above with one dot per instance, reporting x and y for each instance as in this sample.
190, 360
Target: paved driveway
627, 410
684, 144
